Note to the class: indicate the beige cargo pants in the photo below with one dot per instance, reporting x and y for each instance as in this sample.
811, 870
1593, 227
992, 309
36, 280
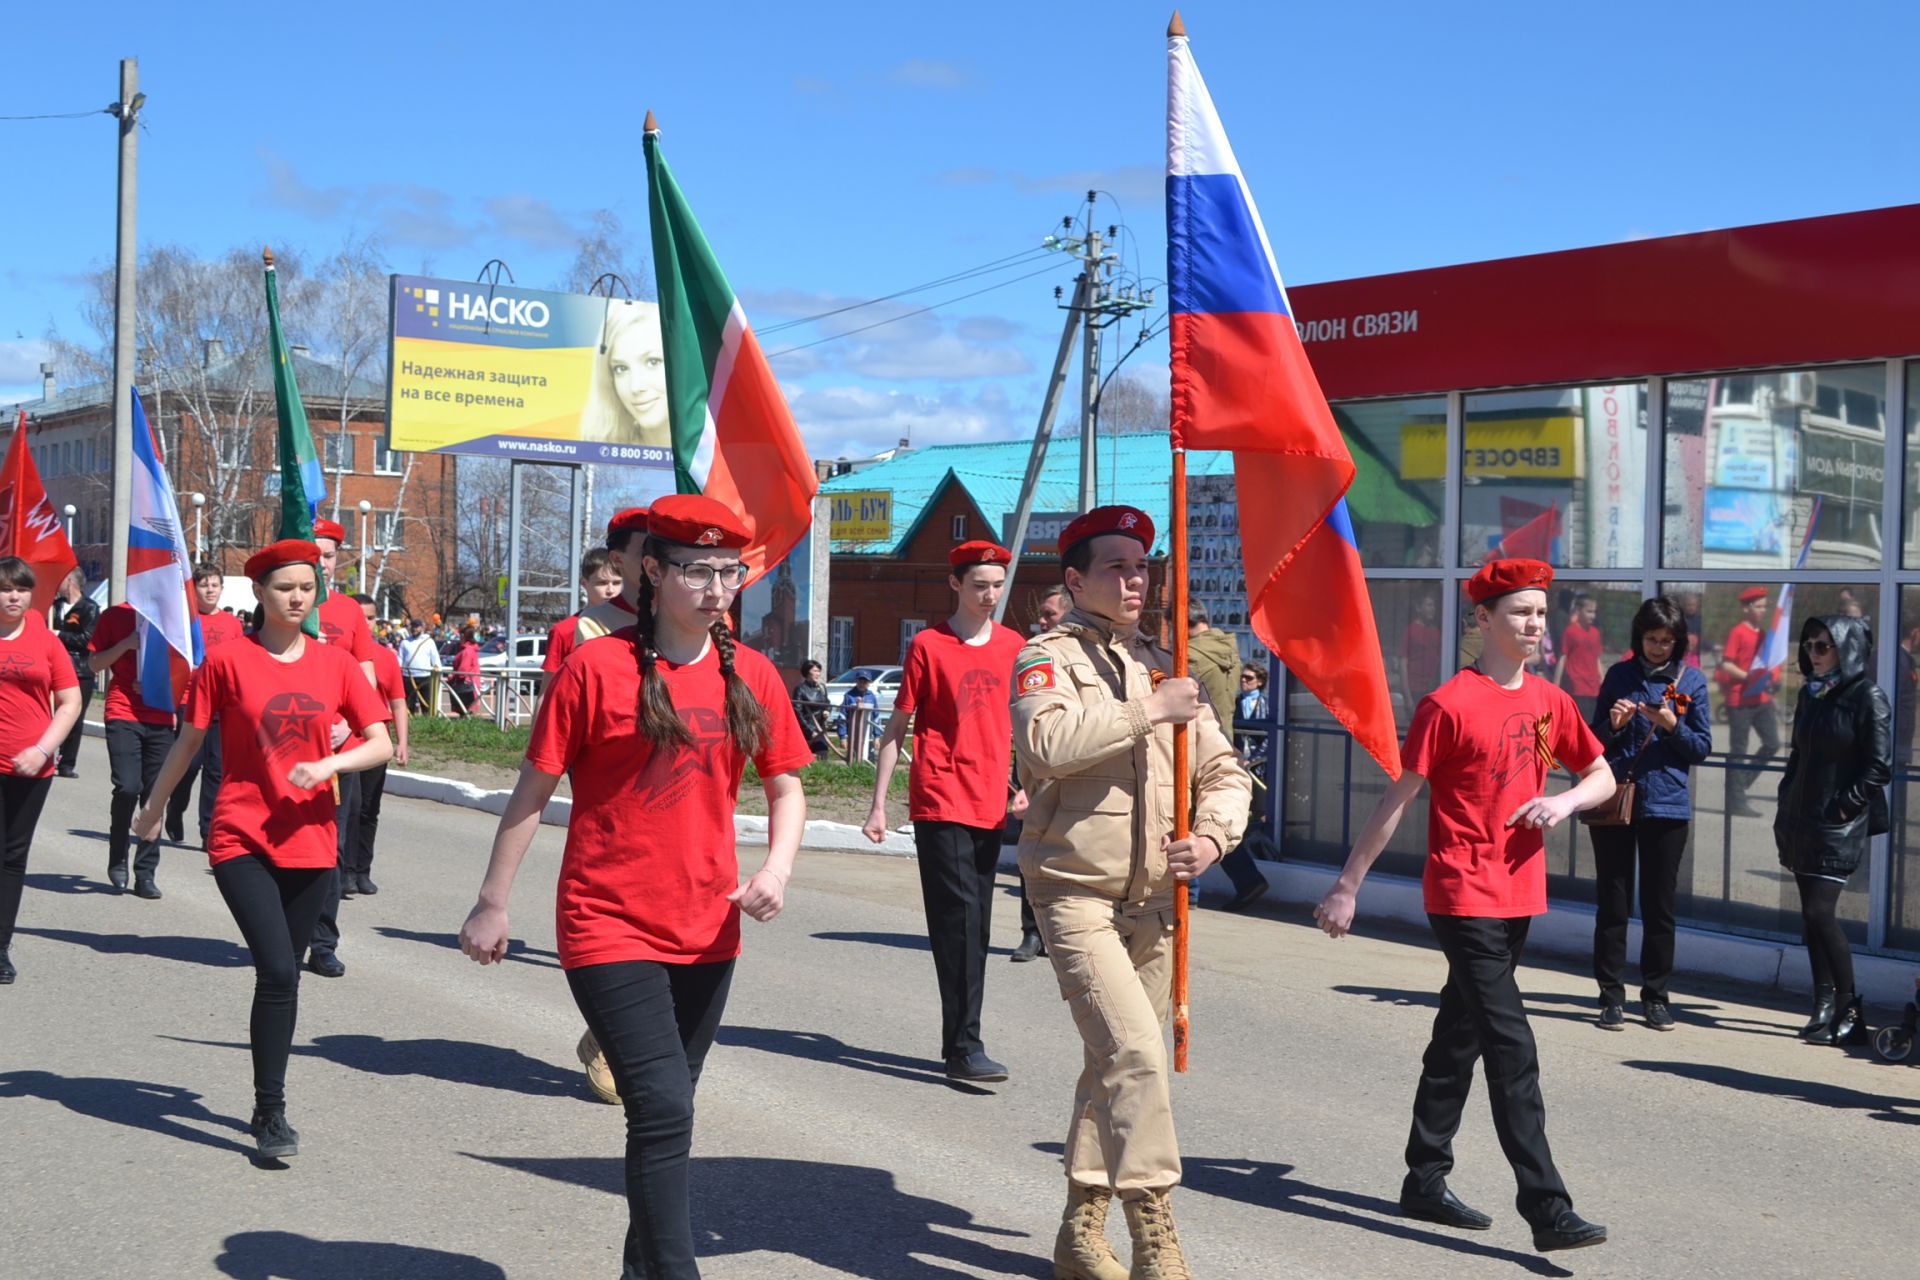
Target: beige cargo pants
1115, 973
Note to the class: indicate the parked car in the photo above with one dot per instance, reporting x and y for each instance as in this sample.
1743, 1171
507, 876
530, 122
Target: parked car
528, 653
885, 686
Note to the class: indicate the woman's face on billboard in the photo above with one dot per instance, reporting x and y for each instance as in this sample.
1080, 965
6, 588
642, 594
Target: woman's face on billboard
639, 370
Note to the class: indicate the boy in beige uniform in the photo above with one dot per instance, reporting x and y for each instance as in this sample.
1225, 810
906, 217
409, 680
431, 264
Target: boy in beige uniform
1093, 739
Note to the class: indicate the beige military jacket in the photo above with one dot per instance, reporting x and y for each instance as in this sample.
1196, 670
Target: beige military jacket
1099, 777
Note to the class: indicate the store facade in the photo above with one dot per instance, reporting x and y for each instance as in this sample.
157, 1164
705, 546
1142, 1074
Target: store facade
1692, 416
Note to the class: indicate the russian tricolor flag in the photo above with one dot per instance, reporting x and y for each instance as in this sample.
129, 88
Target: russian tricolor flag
159, 576
1241, 381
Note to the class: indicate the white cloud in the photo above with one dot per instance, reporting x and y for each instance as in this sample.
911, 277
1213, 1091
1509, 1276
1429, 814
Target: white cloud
925, 73
20, 363
940, 355
856, 422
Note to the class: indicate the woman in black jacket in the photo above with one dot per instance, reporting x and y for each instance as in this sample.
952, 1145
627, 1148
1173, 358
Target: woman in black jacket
1833, 800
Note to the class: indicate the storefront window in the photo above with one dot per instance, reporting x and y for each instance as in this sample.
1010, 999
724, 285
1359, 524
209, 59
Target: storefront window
1769, 471
1903, 896
1910, 555
1399, 450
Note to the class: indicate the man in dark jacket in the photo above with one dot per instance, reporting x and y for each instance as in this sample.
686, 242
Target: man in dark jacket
1833, 801
77, 615
1213, 658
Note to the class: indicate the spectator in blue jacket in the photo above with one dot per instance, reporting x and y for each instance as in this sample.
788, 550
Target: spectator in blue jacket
1652, 716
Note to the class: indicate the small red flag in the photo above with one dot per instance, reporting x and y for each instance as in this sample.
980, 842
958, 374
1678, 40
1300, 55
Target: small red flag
29, 526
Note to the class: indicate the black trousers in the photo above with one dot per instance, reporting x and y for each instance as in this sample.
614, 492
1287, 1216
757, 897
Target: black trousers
1482, 1018
275, 908
135, 752
205, 766
1744, 723
655, 1023
346, 829
70, 749
1828, 952
20, 803
373, 787
1654, 847
957, 866
419, 690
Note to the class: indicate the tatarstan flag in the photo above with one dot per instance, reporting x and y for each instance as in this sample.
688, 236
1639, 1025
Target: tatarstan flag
303, 482
733, 436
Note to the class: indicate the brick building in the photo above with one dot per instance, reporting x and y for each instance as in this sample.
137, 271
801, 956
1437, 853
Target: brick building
218, 431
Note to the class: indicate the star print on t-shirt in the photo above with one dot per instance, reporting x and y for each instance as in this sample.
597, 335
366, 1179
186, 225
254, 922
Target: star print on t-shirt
284, 720
979, 691
670, 773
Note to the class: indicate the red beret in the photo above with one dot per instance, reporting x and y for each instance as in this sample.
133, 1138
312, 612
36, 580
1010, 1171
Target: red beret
1504, 577
696, 521
328, 529
1753, 593
979, 551
1131, 521
632, 520
284, 552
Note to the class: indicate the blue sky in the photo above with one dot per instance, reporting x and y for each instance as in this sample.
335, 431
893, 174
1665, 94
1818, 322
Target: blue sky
838, 153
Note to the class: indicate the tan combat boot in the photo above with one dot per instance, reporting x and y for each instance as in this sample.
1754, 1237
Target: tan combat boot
1081, 1251
599, 1075
1156, 1245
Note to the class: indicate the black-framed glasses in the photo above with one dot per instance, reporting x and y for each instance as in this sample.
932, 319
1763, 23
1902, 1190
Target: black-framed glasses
1820, 648
700, 576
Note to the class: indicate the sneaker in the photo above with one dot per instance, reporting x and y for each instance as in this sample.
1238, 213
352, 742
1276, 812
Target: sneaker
1657, 1014
1612, 1017
273, 1136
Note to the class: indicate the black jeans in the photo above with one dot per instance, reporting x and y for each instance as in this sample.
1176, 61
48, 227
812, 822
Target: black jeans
346, 829
20, 802
1481, 1017
373, 787
275, 908
1655, 847
1744, 723
135, 752
655, 1023
70, 749
957, 866
205, 765
1828, 951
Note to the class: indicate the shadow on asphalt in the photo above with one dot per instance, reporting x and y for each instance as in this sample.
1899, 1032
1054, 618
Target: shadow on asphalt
1880, 1106
85, 834
282, 1255
846, 1218
516, 949
1697, 1013
815, 1047
1265, 1185
485, 1066
139, 1104
217, 952
904, 941
51, 882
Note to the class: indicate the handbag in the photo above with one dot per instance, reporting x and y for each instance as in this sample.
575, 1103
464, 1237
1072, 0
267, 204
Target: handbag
1617, 810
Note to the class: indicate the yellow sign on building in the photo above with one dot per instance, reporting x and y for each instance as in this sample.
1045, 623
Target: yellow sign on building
1504, 449
862, 515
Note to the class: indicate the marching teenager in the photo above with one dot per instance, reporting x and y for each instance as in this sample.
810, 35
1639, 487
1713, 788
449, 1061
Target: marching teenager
955, 690
1833, 801
276, 695
1054, 603
357, 878
654, 725
138, 737
39, 703
599, 583
343, 624
1094, 741
1485, 741
216, 628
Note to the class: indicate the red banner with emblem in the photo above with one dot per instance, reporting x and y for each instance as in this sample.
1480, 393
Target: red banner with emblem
29, 526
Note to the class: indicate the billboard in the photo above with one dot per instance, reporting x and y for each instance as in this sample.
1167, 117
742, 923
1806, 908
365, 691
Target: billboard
506, 372
861, 515
1043, 531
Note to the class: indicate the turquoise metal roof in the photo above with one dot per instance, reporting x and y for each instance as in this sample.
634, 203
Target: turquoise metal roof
1134, 469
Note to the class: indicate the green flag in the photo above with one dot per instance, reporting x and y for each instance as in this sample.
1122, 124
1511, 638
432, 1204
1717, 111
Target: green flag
303, 484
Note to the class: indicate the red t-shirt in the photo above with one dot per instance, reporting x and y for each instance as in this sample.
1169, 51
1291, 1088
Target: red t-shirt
1476, 745
1423, 656
272, 716
123, 685
1743, 650
559, 643
218, 627
386, 675
961, 697
343, 623
33, 666
650, 855
1580, 649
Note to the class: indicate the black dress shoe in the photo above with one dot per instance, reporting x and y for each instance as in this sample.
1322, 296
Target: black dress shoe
1246, 897
975, 1068
1568, 1231
1445, 1209
7, 972
1030, 948
176, 829
349, 885
1822, 1017
117, 875
67, 771
144, 887
367, 887
326, 964
1849, 1024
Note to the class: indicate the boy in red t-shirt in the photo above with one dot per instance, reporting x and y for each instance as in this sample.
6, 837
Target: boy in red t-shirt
1581, 650
1486, 740
216, 628
1749, 701
957, 686
357, 877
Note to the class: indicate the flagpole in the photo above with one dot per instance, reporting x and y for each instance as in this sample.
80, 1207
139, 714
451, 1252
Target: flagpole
1177, 568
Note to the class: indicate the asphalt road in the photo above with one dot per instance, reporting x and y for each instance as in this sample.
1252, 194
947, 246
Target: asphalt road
447, 1133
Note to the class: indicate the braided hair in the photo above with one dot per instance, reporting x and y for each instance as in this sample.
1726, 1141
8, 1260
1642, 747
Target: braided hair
659, 722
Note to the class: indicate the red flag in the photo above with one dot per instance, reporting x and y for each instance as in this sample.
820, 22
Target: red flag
1530, 530
29, 526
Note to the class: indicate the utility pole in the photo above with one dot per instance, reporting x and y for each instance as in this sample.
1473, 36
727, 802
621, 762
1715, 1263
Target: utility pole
127, 109
1037, 457
1090, 366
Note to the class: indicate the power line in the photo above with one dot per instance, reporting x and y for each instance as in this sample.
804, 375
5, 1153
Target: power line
64, 115
834, 337
986, 268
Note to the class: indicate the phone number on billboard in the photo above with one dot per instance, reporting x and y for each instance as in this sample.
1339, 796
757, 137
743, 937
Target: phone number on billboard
638, 453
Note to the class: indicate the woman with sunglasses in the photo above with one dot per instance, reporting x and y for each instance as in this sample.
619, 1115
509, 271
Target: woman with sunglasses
1833, 801
1651, 715
655, 724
